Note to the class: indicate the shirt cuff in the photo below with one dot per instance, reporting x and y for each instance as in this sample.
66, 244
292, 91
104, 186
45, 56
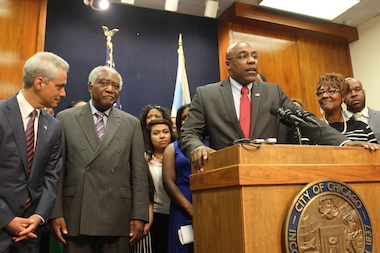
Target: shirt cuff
42, 219
342, 144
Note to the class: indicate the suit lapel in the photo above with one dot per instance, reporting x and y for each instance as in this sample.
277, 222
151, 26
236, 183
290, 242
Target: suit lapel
113, 124
255, 103
14, 118
86, 122
226, 92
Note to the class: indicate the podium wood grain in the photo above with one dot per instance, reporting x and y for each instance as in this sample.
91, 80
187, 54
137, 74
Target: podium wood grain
241, 200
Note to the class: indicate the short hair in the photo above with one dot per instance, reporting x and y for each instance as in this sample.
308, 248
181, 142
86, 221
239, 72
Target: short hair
42, 64
300, 102
148, 129
178, 119
96, 71
334, 80
229, 49
75, 102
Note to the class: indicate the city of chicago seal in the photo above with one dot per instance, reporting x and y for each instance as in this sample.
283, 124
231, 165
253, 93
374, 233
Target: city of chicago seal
327, 216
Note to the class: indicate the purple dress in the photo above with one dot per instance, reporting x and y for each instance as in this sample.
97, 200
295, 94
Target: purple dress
178, 216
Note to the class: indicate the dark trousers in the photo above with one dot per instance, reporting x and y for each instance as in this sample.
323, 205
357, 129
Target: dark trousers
159, 232
98, 244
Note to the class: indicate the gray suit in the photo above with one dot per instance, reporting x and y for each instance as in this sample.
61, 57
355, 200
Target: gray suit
374, 122
212, 113
14, 181
103, 183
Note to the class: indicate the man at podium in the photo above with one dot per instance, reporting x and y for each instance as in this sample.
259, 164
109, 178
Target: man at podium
239, 107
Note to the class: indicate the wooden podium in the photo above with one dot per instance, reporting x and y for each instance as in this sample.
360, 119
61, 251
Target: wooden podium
241, 200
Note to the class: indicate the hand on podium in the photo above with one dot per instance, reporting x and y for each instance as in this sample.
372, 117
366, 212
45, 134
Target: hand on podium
366, 145
198, 155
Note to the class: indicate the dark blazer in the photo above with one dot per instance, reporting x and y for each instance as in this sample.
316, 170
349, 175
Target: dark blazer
104, 184
212, 113
14, 181
374, 122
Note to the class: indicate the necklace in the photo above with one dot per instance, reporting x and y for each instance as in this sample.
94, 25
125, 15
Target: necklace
158, 157
344, 123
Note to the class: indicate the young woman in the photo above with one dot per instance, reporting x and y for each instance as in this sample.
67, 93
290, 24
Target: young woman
152, 112
176, 171
160, 135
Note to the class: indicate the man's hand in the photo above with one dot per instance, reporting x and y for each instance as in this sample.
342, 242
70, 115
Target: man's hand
58, 228
198, 155
136, 231
23, 228
366, 145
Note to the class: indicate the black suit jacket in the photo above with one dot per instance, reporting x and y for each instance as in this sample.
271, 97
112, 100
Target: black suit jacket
14, 180
212, 113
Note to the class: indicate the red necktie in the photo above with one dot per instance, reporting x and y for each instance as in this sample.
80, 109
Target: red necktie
245, 111
29, 137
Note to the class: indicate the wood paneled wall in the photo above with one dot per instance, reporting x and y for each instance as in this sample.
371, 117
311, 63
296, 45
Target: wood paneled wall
295, 51
22, 35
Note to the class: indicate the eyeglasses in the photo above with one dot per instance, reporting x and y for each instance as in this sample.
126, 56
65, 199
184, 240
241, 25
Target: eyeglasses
245, 56
329, 92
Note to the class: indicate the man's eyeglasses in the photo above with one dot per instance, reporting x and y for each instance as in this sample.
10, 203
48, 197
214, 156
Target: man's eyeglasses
329, 92
245, 56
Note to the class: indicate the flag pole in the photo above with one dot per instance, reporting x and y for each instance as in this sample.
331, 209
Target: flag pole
181, 92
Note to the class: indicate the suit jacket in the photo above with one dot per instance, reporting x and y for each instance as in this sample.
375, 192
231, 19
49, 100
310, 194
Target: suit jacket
374, 122
212, 113
15, 183
104, 184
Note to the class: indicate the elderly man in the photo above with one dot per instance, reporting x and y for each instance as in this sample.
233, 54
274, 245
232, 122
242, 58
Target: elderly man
102, 203
30, 153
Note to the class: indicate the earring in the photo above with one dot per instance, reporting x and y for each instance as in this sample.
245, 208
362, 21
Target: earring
344, 106
321, 111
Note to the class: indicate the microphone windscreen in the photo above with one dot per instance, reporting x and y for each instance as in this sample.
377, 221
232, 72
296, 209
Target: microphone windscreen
273, 110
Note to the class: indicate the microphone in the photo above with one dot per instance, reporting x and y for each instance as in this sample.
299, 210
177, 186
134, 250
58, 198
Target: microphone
286, 115
305, 116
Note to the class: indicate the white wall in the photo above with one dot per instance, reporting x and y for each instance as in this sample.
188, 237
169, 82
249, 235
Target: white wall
365, 57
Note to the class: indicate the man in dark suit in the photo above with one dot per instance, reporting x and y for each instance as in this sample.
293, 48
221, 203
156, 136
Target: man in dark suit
103, 200
30, 153
215, 110
356, 106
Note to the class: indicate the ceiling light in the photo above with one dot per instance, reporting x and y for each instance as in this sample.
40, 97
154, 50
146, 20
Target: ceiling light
211, 8
104, 4
97, 4
326, 9
128, 1
171, 5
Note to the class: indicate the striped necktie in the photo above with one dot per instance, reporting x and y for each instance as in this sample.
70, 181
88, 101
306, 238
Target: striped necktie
29, 137
100, 124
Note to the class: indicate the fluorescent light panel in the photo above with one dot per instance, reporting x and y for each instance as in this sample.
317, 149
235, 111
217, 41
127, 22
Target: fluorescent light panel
128, 1
211, 9
171, 5
326, 9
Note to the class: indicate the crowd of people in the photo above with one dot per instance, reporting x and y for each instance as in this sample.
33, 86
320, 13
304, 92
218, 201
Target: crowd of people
102, 180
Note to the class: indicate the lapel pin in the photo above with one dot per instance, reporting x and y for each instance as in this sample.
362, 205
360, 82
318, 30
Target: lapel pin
257, 95
45, 127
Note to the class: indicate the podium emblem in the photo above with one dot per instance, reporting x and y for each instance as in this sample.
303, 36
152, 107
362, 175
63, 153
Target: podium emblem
327, 216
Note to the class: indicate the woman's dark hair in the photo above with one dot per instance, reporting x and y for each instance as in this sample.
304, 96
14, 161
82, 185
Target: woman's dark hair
178, 119
150, 148
144, 114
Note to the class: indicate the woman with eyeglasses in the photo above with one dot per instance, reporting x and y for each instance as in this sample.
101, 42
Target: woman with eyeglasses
332, 89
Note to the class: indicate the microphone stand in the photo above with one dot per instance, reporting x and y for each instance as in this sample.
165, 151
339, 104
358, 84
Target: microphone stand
297, 133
